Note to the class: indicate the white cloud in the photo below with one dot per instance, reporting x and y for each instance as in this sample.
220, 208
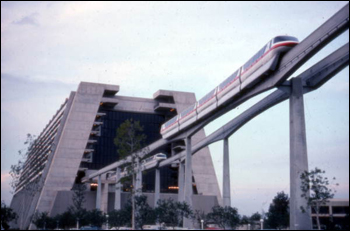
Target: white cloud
28, 20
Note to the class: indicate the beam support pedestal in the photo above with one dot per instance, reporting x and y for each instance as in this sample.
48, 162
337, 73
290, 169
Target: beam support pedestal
188, 180
298, 159
99, 193
157, 188
226, 175
181, 194
118, 185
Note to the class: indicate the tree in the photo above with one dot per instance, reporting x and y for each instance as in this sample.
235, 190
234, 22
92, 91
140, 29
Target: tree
130, 142
172, 213
43, 221
255, 217
315, 190
29, 190
119, 218
224, 217
96, 218
278, 215
145, 215
245, 220
16, 170
80, 213
7, 215
67, 220
200, 216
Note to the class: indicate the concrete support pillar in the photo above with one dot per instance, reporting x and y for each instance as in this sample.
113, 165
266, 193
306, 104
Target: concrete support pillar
99, 193
181, 181
188, 180
173, 153
134, 180
104, 199
118, 189
138, 180
157, 188
226, 175
298, 159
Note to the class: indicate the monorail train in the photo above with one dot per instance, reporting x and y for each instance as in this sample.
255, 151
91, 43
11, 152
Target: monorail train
261, 64
147, 163
152, 161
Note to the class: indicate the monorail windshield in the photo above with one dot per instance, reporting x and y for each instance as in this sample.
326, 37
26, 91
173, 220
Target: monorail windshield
161, 155
284, 38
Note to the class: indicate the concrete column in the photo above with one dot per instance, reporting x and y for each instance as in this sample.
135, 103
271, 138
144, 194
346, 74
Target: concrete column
118, 189
157, 188
226, 179
181, 193
99, 193
173, 153
104, 199
188, 180
298, 159
138, 180
134, 182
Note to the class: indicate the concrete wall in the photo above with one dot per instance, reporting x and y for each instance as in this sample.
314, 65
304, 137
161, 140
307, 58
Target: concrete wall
71, 146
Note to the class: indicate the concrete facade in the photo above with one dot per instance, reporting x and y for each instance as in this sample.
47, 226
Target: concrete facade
74, 135
333, 215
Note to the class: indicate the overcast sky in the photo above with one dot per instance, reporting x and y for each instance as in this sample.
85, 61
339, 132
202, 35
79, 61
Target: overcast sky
48, 48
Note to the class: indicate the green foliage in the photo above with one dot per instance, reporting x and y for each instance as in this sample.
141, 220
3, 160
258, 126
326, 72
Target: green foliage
16, 170
278, 215
96, 218
7, 215
317, 185
66, 220
43, 221
255, 217
130, 138
224, 217
315, 190
172, 213
120, 218
29, 189
78, 202
69, 219
145, 214
130, 141
245, 220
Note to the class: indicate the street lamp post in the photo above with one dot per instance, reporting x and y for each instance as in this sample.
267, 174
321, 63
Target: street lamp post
202, 224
